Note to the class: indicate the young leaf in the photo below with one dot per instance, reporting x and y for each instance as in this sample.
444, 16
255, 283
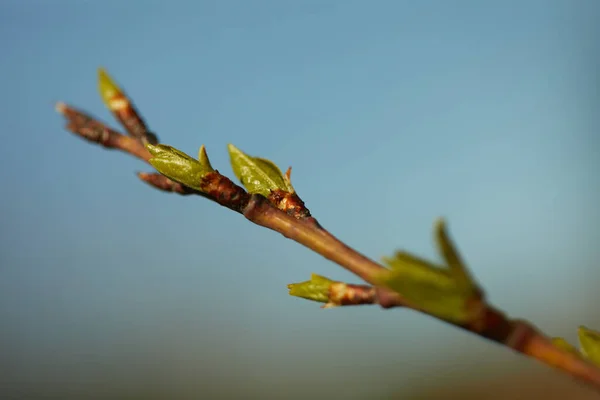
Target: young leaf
258, 175
429, 287
590, 344
445, 291
178, 166
316, 289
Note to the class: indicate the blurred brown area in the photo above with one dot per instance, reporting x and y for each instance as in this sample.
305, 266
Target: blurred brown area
525, 384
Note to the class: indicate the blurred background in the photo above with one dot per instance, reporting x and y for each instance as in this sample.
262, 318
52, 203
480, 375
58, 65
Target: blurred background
484, 112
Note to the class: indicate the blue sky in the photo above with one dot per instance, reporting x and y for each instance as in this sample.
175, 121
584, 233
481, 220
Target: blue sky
392, 113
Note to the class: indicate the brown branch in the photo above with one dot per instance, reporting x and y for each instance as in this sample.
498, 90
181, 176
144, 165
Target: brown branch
518, 335
493, 325
163, 183
489, 323
92, 130
215, 186
221, 189
123, 109
89, 128
260, 211
125, 112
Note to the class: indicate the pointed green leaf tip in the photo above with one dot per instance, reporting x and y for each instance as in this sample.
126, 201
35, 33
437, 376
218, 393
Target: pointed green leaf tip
257, 174
178, 166
203, 158
317, 289
590, 344
448, 252
444, 291
108, 88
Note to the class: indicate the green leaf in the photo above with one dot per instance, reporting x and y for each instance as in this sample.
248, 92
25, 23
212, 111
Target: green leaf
561, 343
590, 344
445, 291
258, 175
178, 166
429, 287
316, 289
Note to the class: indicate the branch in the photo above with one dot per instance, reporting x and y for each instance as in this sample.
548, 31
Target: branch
92, 130
95, 131
123, 109
448, 293
517, 335
221, 189
163, 183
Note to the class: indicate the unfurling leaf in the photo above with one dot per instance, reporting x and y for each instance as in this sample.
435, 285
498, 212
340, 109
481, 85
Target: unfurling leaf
258, 175
445, 291
429, 287
178, 166
316, 289
590, 344
109, 91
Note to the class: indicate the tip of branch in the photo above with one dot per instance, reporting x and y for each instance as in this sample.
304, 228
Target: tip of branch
60, 107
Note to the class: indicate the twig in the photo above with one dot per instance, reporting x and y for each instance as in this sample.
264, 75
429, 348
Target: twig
492, 325
520, 336
489, 323
123, 109
260, 211
163, 183
92, 130
95, 131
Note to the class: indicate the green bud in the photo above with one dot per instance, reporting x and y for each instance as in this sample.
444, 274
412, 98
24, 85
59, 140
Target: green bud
258, 175
178, 166
109, 91
316, 289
